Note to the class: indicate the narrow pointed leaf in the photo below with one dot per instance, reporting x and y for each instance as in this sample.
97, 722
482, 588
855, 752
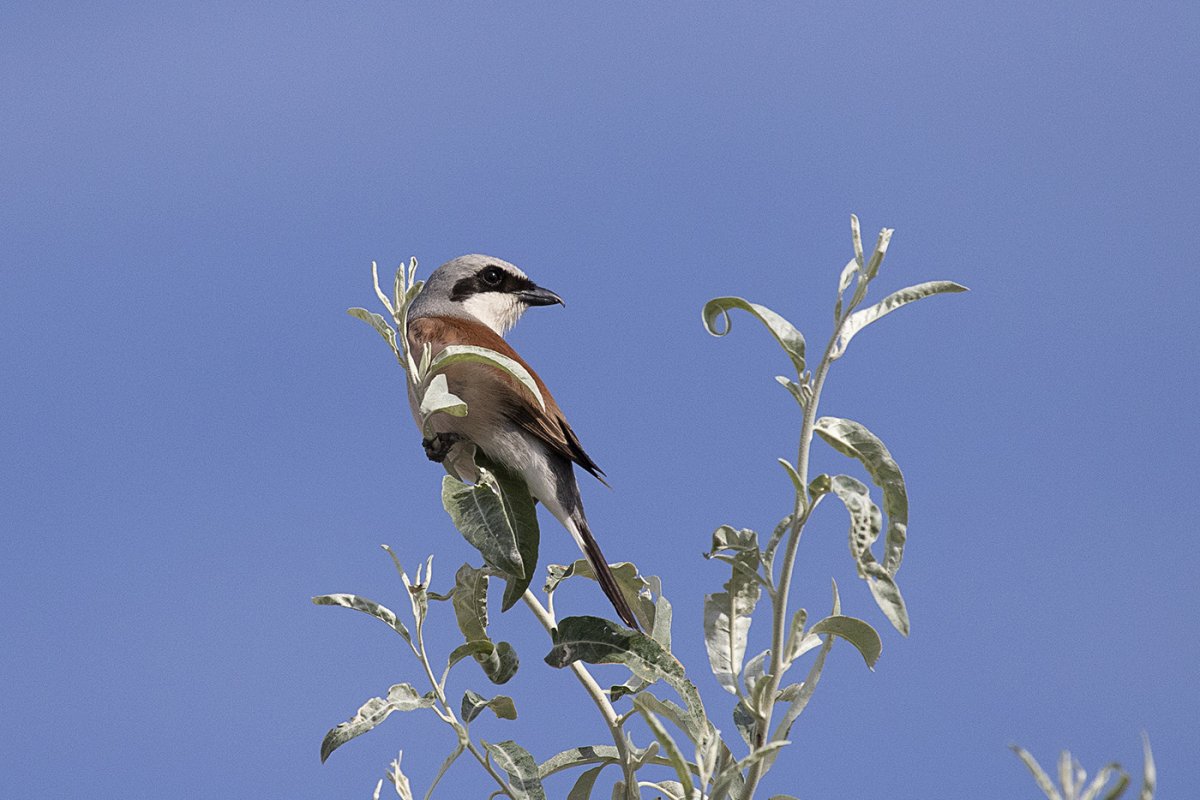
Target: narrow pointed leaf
1039, 775
784, 332
521, 769
366, 606
856, 238
579, 756
401, 697
377, 322
881, 246
1149, 771
887, 596
465, 353
865, 316
669, 746
582, 790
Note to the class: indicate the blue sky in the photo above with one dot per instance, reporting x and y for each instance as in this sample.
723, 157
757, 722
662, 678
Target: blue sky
195, 438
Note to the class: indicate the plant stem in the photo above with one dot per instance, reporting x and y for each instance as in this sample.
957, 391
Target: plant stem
598, 697
447, 713
800, 511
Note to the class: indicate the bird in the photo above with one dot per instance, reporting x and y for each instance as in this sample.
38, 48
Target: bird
475, 300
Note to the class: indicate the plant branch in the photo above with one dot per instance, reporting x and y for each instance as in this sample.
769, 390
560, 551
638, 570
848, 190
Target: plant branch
593, 689
800, 512
447, 713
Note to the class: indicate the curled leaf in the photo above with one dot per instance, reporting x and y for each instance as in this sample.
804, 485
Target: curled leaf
784, 332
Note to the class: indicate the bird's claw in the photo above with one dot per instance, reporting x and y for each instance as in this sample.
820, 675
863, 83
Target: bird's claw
437, 448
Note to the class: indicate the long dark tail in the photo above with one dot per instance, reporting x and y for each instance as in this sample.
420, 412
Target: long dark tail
603, 574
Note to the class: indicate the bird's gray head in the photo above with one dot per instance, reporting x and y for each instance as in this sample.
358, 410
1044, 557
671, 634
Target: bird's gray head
487, 289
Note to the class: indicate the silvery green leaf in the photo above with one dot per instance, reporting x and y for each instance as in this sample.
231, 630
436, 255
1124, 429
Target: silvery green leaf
727, 614
819, 487
848, 272
401, 697
1093, 789
1065, 775
853, 439
856, 632
480, 649
399, 287
478, 513
670, 748
425, 362
412, 271
582, 790
383, 298
887, 596
520, 767
459, 747
504, 664
660, 630
675, 713
599, 641
866, 520
377, 611
784, 332
795, 389
470, 602
726, 537
633, 587
1149, 772
473, 705
856, 237
377, 322
466, 353
881, 246
1039, 775
797, 484
399, 780
777, 535
579, 756
640, 757
521, 514
672, 790
746, 722
864, 317
1120, 786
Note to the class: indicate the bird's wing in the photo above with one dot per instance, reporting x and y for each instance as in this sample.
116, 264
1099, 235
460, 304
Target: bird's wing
513, 400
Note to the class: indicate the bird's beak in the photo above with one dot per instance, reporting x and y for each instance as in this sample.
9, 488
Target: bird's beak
537, 296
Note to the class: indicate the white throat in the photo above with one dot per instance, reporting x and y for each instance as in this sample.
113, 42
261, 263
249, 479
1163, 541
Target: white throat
498, 310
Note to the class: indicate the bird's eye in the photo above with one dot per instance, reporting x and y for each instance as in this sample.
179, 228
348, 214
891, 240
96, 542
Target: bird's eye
492, 276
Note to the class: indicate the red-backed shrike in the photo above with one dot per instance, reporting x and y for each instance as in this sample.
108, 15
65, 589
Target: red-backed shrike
475, 300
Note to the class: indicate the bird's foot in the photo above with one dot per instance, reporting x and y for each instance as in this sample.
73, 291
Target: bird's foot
437, 448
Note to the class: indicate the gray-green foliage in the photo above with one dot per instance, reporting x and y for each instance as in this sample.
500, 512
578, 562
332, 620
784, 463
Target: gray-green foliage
1109, 783
683, 753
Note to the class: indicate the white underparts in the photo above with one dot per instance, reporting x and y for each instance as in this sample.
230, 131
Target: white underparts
498, 310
